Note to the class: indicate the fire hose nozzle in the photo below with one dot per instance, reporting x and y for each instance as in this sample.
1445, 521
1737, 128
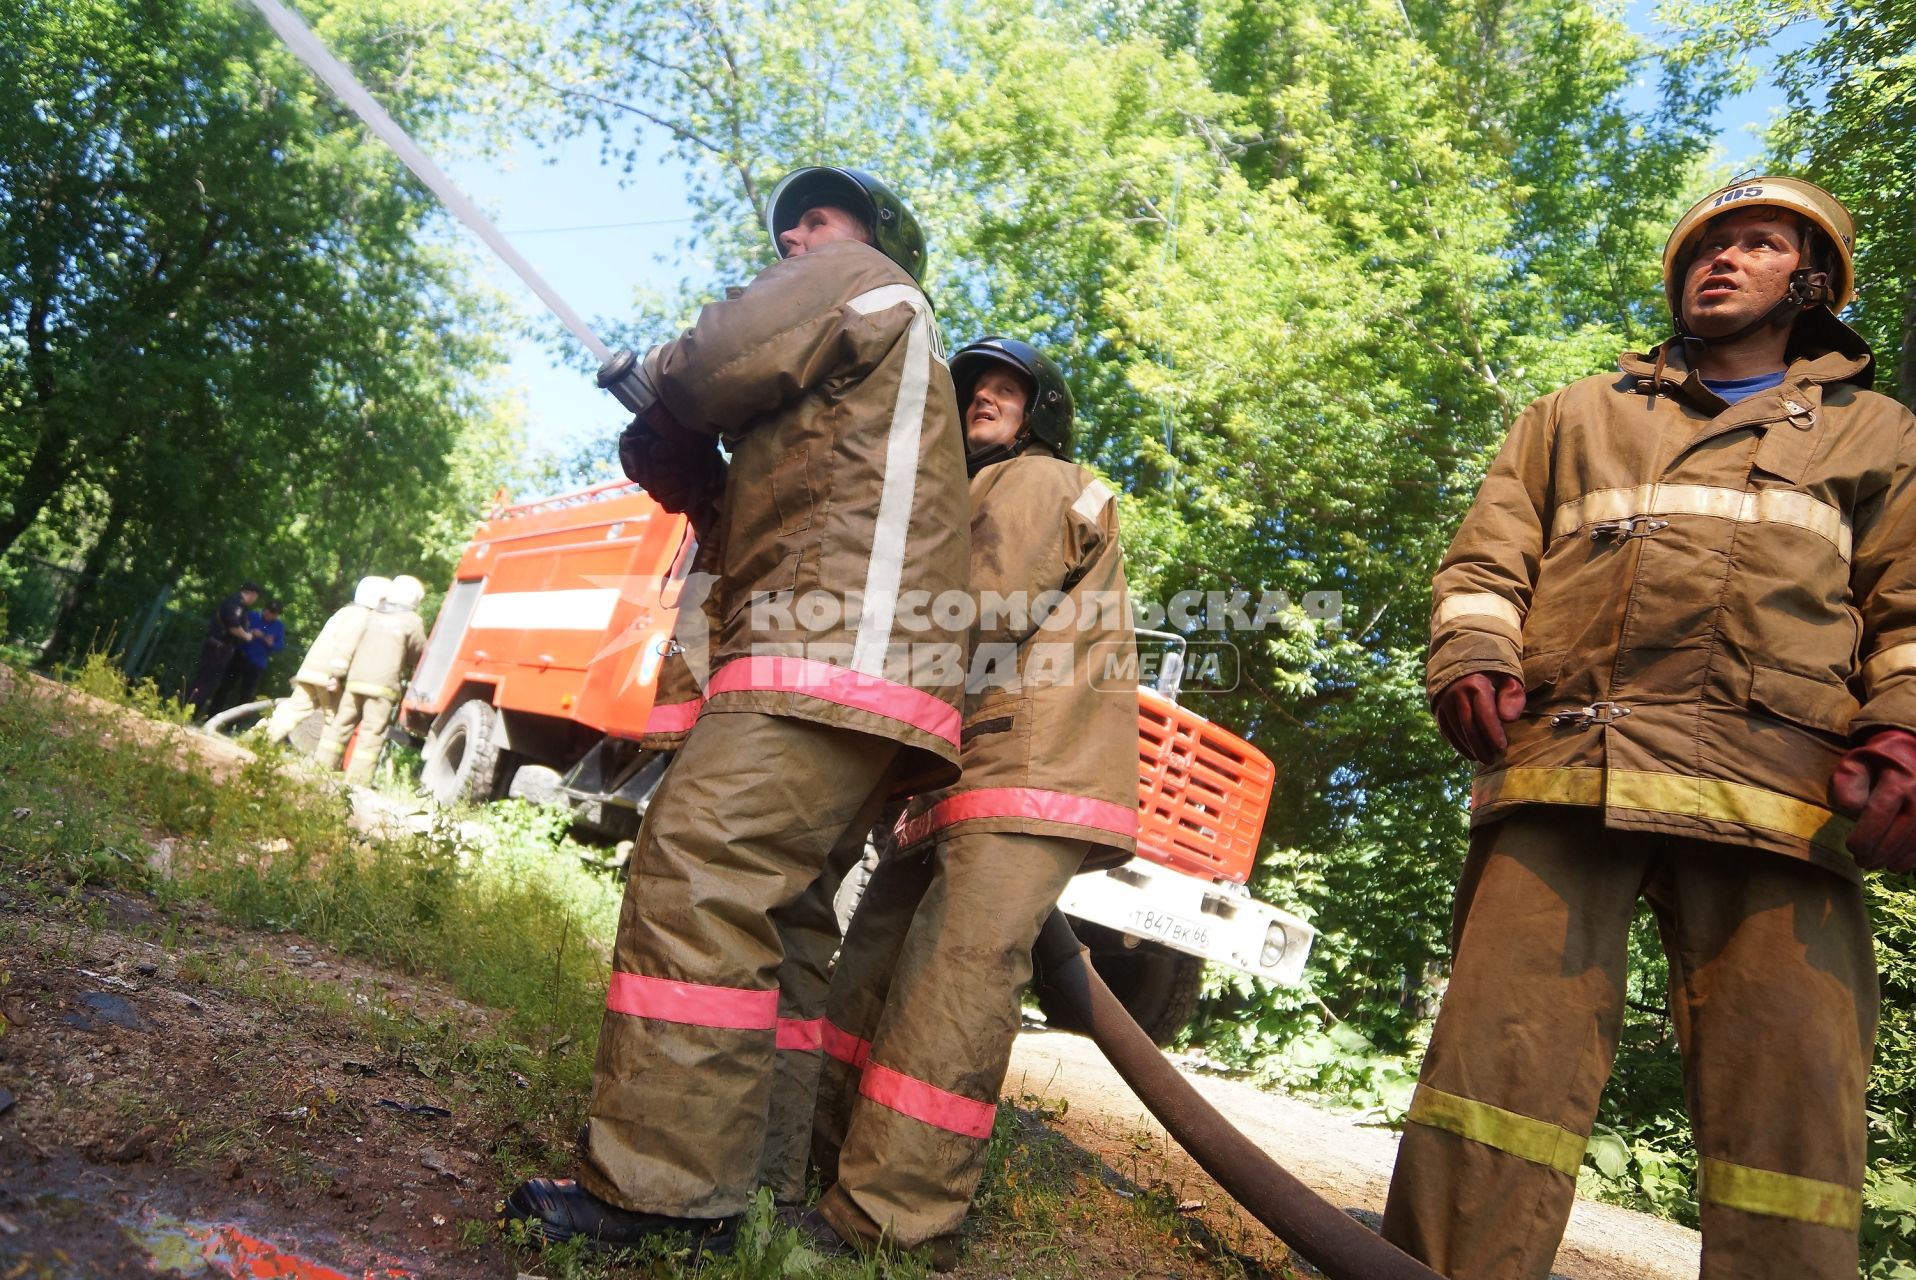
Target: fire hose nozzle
620, 376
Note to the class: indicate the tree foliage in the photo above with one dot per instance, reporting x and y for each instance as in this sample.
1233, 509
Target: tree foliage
231, 343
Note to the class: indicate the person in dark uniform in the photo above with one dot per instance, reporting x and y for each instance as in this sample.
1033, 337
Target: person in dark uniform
243, 673
226, 630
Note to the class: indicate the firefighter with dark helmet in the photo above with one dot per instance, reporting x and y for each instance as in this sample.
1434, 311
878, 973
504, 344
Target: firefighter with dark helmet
925, 995
1677, 633
844, 490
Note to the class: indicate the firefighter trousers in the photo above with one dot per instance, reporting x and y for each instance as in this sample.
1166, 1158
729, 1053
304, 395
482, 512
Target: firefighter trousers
923, 1008
809, 931
305, 699
1773, 999
352, 711
750, 814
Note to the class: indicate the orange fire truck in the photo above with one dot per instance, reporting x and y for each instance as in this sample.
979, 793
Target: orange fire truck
546, 653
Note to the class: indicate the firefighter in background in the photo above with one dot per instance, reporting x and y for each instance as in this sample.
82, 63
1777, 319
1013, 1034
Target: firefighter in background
845, 492
387, 652
322, 672
1677, 632
924, 1000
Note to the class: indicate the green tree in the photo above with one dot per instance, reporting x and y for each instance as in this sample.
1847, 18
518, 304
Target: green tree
223, 300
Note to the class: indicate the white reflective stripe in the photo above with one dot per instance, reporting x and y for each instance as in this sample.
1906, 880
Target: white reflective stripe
1092, 500
584, 609
1750, 506
1483, 604
1897, 660
900, 486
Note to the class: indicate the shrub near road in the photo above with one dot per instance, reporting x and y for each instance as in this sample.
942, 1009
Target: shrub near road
224, 1004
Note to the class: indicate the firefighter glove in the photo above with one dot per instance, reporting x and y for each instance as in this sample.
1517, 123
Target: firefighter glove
1473, 710
1877, 783
678, 468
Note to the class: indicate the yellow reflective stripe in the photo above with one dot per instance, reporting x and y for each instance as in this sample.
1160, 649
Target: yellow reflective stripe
1897, 660
1750, 506
1538, 786
366, 690
1779, 1195
1726, 802
1670, 793
1466, 604
1537, 1141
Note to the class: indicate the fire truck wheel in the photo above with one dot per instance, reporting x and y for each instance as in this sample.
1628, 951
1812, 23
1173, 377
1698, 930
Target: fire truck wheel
462, 763
1157, 986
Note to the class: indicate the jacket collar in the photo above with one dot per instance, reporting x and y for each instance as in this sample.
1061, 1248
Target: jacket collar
1822, 350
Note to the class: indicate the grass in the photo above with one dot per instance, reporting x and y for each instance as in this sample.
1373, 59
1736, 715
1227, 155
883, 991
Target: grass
497, 906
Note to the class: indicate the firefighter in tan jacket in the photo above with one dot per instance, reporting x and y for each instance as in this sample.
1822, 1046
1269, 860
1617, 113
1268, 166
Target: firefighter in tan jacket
1677, 632
382, 662
925, 995
844, 495
322, 672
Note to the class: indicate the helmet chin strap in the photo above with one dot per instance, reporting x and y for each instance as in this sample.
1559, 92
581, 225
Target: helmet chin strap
977, 460
1808, 288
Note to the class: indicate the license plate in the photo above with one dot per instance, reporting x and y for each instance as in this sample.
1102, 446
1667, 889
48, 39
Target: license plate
1168, 928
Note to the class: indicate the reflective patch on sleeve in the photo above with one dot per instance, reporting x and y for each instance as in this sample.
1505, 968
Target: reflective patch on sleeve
1092, 501
1897, 660
1476, 604
1779, 1195
1537, 1141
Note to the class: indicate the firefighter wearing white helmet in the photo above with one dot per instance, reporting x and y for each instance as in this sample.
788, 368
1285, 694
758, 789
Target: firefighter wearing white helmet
924, 1001
1677, 633
387, 652
843, 499
322, 672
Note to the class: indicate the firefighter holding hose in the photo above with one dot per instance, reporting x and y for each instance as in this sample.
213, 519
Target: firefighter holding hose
388, 650
844, 493
322, 672
1677, 633
924, 1000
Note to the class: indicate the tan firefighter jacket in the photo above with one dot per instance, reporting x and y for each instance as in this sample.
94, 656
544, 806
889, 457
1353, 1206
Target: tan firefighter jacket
1051, 713
394, 639
826, 378
332, 653
1704, 601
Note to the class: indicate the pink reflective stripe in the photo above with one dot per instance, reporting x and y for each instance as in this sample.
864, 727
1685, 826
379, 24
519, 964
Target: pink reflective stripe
1020, 802
672, 717
845, 1046
842, 685
801, 1033
664, 1000
929, 1103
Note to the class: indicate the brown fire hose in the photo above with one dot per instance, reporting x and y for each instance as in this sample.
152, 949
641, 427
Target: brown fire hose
1340, 1247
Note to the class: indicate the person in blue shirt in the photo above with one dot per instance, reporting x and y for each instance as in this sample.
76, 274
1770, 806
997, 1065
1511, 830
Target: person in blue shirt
249, 664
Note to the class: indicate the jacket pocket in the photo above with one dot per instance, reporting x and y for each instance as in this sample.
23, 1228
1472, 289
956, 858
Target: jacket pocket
1815, 704
775, 590
792, 491
1540, 670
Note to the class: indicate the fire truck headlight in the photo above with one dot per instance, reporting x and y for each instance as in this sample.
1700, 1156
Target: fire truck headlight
1276, 943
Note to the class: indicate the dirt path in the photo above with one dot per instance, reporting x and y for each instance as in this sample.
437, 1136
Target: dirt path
1345, 1160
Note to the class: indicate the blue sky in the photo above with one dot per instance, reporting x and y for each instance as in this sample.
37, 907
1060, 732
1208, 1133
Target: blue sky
599, 235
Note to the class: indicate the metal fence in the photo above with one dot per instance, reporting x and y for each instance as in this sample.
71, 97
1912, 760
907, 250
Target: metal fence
56, 613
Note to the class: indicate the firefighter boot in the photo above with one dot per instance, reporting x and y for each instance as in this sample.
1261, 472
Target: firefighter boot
558, 1209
